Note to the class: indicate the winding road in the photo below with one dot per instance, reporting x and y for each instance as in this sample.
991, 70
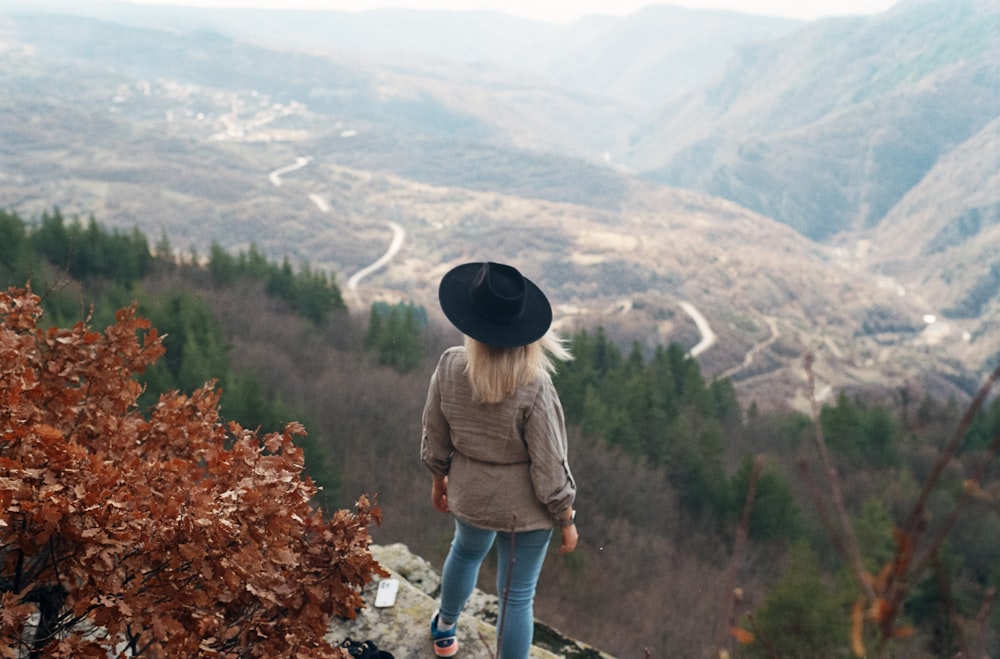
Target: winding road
320, 202
275, 176
708, 337
398, 233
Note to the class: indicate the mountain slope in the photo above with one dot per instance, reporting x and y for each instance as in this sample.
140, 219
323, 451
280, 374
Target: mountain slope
204, 139
827, 128
940, 242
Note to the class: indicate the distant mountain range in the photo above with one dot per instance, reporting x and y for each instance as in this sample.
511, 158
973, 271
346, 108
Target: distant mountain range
828, 186
827, 128
644, 58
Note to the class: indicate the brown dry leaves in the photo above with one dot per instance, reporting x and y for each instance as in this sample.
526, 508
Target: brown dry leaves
178, 534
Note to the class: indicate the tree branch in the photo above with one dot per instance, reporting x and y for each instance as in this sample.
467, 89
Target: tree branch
850, 538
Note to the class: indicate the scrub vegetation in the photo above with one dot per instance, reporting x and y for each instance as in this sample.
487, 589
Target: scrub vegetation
864, 528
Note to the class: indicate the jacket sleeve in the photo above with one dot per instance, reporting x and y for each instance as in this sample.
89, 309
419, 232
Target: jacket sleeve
436, 449
545, 437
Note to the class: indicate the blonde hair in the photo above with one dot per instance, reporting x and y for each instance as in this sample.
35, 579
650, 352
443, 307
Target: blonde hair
496, 372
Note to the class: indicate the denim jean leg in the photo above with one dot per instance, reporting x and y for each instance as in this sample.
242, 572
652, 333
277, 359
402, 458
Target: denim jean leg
517, 623
461, 568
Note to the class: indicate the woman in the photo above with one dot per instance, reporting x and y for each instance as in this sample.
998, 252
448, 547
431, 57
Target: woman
494, 440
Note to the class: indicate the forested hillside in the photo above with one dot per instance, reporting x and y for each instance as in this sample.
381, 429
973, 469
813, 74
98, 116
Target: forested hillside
705, 523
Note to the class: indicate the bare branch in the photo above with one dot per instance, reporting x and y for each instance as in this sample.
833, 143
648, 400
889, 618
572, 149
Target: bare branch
915, 518
971, 485
730, 597
850, 538
978, 649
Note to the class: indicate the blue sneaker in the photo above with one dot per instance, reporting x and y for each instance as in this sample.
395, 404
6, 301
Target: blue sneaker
445, 642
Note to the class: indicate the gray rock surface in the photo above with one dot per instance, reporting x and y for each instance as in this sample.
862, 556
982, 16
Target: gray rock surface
403, 629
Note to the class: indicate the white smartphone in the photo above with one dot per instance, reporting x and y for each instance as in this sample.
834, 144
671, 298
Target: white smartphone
385, 595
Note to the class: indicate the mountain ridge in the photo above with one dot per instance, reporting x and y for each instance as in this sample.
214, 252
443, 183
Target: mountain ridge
185, 145
558, 52
797, 109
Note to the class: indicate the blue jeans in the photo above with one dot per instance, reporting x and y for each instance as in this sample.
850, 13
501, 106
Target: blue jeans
461, 571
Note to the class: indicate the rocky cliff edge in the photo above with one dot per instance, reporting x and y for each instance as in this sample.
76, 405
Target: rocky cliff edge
402, 629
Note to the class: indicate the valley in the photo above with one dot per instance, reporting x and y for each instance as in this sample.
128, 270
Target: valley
331, 159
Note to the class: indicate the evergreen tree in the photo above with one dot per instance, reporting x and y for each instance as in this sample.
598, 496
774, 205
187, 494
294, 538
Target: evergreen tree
985, 427
873, 527
396, 335
18, 260
221, 265
663, 381
933, 608
196, 349
802, 617
281, 282
164, 251
693, 460
314, 295
140, 260
594, 418
375, 329
244, 399
254, 264
863, 435
725, 404
594, 356
89, 251
650, 415
774, 515
13, 238
51, 239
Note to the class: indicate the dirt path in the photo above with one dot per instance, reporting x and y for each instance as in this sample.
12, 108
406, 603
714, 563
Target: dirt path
756, 349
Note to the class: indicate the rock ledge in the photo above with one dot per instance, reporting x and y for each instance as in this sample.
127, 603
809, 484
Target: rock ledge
403, 628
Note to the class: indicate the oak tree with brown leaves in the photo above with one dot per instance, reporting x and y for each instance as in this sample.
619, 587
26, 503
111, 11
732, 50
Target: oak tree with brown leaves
170, 534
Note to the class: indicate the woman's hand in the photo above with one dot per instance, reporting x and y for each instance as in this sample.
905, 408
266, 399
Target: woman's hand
439, 494
569, 534
569, 538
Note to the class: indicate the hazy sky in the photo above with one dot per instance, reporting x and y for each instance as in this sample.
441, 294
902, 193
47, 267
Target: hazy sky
565, 10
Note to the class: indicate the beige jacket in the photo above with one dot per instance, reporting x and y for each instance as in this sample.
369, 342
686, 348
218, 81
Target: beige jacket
506, 462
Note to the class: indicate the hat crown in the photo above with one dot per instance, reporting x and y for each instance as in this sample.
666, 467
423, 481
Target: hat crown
497, 293
494, 304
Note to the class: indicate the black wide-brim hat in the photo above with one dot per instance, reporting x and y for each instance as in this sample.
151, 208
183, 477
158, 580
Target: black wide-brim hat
494, 304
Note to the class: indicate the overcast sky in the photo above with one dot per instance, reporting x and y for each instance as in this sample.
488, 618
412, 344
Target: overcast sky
566, 10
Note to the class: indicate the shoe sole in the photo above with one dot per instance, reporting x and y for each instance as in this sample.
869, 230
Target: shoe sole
449, 651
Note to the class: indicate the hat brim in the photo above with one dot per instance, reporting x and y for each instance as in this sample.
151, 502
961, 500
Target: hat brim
456, 303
